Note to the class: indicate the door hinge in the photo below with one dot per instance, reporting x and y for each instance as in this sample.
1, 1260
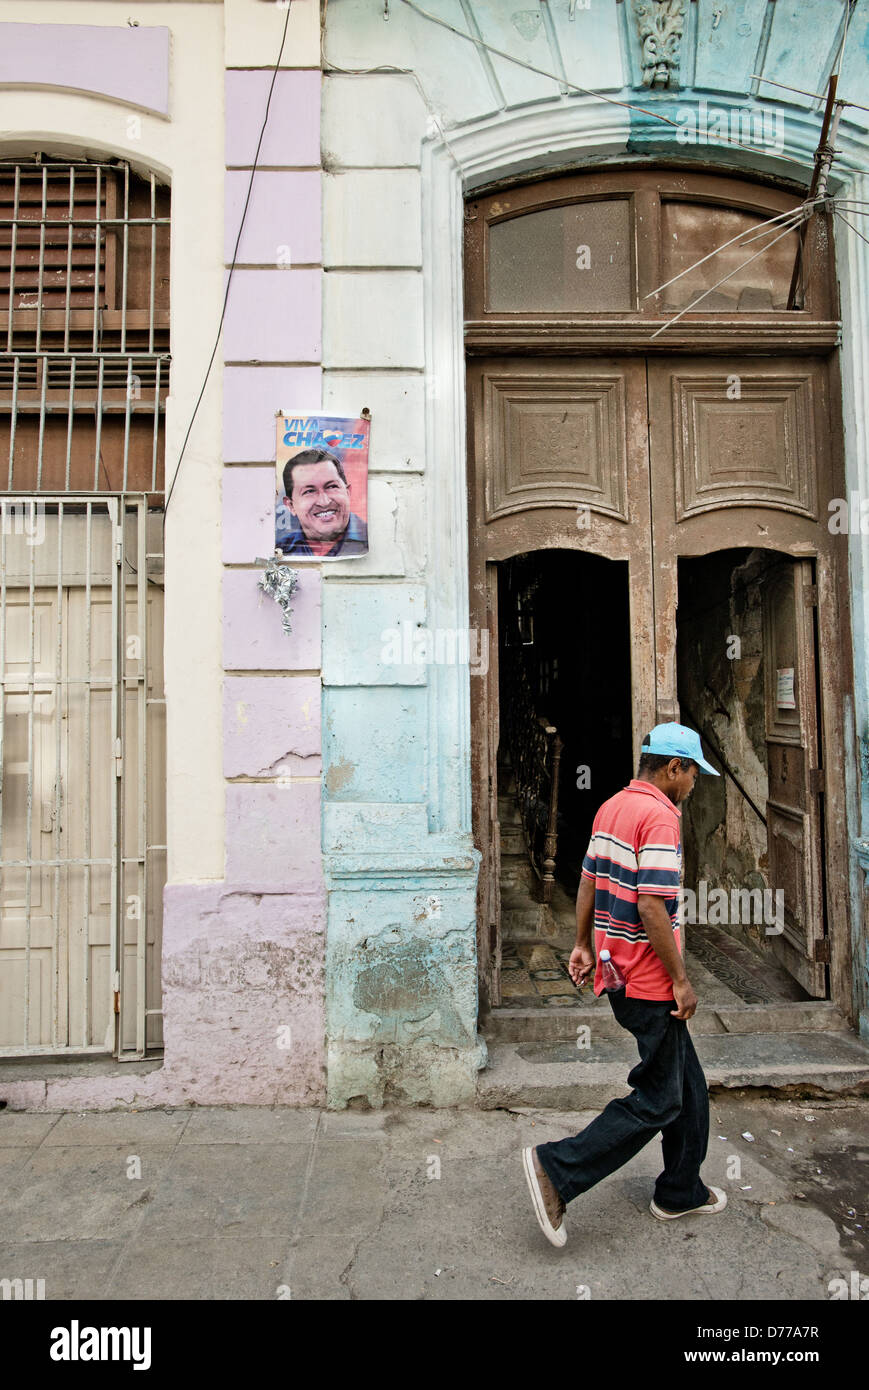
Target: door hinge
116, 983
119, 758
810, 595
822, 951
119, 544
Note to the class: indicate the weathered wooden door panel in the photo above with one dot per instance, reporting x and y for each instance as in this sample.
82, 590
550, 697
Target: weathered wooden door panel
793, 812
740, 458
719, 452
485, 715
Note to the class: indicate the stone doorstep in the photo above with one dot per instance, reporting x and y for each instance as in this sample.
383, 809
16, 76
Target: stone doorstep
506, 1024
556, 1075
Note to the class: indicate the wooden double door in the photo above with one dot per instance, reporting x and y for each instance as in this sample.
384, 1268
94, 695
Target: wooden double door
648, 459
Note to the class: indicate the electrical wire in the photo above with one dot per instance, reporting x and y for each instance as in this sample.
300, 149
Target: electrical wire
232, 265
763, 229
851, 225
818, 96
849, 10
787, 231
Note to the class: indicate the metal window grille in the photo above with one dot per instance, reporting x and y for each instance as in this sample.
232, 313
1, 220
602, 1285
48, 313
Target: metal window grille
84, 318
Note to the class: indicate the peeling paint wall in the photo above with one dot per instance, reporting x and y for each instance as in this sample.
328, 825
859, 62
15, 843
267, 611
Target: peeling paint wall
402, 995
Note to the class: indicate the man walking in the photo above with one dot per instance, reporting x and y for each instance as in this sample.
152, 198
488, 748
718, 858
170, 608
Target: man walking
629, 894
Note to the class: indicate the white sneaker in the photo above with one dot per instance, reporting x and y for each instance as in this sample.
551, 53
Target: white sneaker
708, 1208
556, 1235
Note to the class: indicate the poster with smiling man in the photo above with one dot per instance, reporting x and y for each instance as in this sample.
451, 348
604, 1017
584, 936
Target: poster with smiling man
321, 507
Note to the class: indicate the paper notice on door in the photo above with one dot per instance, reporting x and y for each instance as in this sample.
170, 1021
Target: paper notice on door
784, 698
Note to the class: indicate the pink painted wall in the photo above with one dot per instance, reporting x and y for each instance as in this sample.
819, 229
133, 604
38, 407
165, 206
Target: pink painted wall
292, 137
244, 961
284, 212
273, 316
253, 638
251, 396
129, 64
260, 953
271, 724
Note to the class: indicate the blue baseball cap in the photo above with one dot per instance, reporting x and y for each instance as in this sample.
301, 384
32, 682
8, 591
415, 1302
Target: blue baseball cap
675, 741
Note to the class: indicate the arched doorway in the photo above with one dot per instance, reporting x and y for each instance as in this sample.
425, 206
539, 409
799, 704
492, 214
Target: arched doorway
598, 426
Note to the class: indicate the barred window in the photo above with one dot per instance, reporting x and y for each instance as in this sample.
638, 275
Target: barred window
84, 327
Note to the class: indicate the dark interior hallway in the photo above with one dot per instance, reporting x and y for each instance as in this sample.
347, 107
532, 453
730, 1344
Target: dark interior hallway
565, 655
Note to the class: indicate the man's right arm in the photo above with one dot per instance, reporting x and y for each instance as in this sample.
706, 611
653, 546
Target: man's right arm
659, 929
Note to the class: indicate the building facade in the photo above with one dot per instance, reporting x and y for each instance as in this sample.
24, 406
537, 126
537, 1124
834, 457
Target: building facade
246, 866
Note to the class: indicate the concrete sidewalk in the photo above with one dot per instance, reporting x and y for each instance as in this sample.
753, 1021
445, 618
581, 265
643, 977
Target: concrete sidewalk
252, 1203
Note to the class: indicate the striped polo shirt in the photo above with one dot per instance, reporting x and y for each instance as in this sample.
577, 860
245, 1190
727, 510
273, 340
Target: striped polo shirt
634, 848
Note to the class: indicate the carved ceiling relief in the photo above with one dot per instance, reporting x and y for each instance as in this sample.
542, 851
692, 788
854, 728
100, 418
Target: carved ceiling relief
660, 24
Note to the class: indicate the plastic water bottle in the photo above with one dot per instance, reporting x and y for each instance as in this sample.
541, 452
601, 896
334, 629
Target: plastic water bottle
611, 976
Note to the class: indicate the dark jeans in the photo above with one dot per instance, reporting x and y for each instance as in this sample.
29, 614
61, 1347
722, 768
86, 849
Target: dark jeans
670, 1095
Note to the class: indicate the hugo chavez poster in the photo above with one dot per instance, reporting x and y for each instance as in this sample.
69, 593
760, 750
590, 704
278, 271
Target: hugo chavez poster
321, 505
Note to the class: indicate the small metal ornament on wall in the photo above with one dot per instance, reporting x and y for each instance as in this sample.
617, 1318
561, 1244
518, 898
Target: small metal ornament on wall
280, 582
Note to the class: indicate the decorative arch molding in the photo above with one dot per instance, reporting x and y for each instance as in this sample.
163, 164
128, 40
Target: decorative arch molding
129, 65
554, 136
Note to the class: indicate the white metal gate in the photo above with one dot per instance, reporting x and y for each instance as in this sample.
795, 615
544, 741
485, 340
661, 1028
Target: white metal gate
82, 839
